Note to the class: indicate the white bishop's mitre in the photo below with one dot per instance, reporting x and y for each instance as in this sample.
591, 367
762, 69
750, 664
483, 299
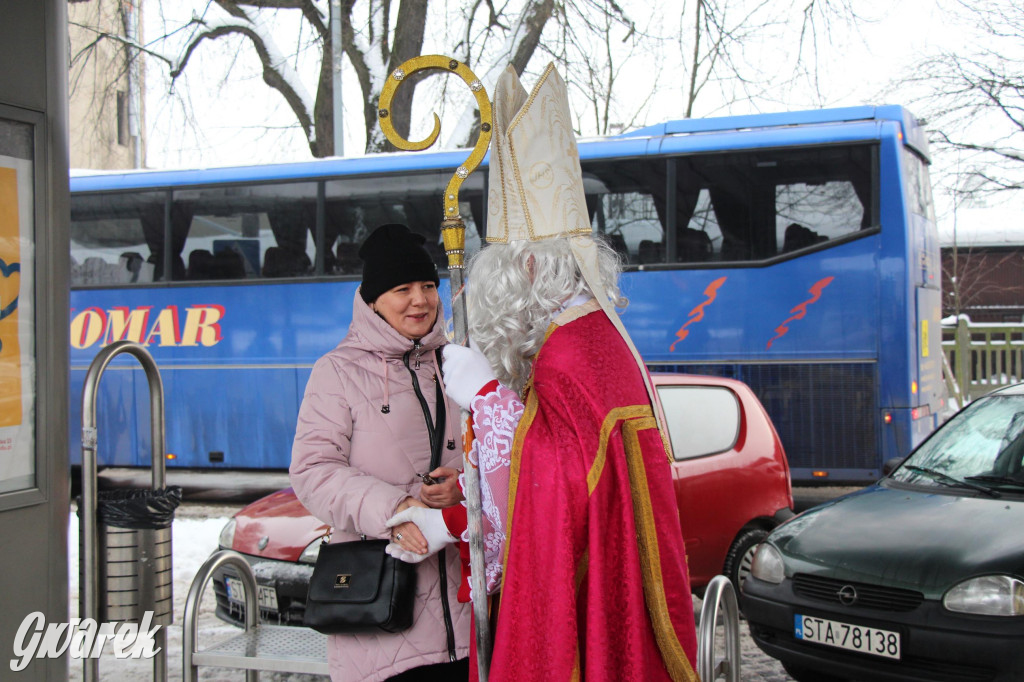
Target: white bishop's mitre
536, 185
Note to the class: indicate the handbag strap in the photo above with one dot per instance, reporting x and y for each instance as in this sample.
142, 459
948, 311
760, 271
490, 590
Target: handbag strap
440, 419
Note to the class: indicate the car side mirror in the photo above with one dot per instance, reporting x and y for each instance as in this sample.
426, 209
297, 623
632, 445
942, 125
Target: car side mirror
891, 465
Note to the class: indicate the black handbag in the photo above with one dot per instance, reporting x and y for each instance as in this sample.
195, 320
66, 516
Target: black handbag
356, 587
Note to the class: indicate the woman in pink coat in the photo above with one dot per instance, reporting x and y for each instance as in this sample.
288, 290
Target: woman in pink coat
363, 446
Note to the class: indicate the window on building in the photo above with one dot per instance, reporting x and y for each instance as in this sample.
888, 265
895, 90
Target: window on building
122, 118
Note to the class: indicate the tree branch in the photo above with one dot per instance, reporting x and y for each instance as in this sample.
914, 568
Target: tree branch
104, 35
271, 76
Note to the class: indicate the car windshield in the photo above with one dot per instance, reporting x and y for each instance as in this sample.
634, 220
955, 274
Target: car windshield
982, 447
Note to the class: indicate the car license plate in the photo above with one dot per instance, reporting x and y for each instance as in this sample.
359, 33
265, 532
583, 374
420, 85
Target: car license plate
266, 596
847, 636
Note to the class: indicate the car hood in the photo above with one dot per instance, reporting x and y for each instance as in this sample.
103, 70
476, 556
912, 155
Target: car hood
915, 540
280, 522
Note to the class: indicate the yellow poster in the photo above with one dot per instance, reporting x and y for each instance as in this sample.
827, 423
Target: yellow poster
17, 323
10, 289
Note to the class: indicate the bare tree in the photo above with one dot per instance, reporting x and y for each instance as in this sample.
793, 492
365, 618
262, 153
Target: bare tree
598, 45
974, 99
722, 46
593, 42
982, 278
376, 36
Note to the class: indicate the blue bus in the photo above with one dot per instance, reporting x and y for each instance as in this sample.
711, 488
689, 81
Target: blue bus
796, 252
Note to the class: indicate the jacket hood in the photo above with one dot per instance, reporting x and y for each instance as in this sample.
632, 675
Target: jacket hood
369, 332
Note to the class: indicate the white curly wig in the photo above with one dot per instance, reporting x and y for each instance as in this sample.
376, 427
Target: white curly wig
516, 289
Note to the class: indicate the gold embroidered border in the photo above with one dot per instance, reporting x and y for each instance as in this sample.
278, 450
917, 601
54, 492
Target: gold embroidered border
529, 414
533, 95
515, 161
519, 183
672, 652
525, 422
504, 199
576, 312
611, 419
581, 573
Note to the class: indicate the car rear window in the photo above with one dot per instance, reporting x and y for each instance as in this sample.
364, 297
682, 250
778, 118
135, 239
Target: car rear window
702, 420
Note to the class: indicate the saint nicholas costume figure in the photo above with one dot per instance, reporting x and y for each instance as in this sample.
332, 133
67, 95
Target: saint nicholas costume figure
582, 533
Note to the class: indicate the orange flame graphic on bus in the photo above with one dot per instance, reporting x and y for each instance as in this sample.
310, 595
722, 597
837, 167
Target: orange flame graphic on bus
801, 310
697, 314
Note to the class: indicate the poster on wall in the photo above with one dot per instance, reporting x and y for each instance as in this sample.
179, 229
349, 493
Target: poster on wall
17, 322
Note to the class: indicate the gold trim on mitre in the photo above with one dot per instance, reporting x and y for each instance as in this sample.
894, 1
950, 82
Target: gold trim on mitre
536, 183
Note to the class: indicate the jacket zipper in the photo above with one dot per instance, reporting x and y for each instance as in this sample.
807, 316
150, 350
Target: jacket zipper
435, 448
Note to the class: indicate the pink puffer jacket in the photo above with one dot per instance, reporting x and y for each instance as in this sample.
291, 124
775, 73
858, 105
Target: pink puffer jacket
353, 462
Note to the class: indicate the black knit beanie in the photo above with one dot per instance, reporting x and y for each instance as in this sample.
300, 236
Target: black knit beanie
393, 255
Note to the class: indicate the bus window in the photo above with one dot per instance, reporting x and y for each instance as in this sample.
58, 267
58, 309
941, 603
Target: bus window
919, 186
831, 207
701, 238
717, 206
356, 205
626, 202
240, 232
114, 237
749, 206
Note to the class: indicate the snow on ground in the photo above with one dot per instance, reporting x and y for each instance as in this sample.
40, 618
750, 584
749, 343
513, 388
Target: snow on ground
194, 538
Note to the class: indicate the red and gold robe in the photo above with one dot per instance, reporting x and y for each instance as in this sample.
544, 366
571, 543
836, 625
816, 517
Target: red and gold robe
594, 583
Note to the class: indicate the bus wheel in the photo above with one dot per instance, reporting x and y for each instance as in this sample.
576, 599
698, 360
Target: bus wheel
741, 556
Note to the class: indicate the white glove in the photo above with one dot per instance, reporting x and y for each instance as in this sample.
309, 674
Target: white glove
431, 524
466, 371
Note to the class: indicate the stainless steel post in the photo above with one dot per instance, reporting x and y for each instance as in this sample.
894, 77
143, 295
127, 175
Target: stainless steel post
719, 596
89, 559
190, 627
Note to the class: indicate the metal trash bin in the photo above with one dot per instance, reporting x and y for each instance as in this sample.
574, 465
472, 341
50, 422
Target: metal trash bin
134, 547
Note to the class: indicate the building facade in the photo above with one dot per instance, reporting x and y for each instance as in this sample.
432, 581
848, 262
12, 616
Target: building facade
105, 83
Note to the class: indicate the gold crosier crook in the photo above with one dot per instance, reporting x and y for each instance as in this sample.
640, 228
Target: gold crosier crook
453, 232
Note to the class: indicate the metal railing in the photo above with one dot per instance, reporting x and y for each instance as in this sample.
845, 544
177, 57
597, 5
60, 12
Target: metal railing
982, 357
719, 599
189, 670
276, 648
287, 648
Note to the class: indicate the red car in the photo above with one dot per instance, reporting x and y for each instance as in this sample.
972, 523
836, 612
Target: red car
730, 476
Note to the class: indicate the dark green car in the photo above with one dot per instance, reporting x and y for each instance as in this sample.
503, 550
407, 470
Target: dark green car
917, 577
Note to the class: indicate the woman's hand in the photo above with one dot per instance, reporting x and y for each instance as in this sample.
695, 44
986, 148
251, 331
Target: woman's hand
445, 492
432, 525
407, 534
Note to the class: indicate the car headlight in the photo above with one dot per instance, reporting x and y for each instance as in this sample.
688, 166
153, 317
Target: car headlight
768, 565
989, 595
227, 535
311, 552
